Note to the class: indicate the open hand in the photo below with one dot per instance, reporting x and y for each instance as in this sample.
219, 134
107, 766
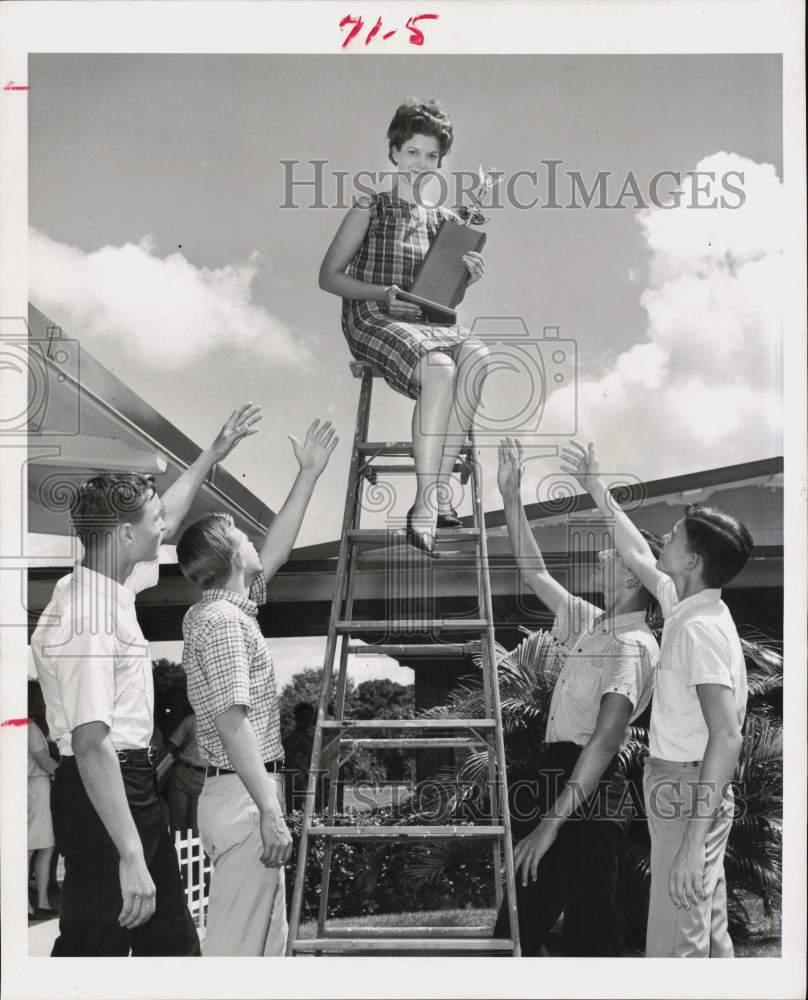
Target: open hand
240, 424
475, 265
511, 465
314, 453
528, 852
579, 462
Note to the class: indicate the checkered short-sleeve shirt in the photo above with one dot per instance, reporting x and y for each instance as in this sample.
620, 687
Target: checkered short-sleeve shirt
227, 663
601, 656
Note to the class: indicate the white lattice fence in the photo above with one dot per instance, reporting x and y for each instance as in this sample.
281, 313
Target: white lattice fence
195, 868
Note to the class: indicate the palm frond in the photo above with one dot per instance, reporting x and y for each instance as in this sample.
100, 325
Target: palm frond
764, 665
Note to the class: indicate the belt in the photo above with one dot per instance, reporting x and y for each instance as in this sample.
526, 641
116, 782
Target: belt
273, 766
137, 758
193, 767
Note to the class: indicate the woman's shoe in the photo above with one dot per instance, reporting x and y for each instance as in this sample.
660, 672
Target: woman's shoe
449, 519
421, 540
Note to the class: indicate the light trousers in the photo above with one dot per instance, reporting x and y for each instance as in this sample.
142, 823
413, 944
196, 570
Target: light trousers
671, 795
247, 904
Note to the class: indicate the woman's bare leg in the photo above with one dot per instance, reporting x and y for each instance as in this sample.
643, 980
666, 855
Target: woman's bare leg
471, 371
42, 873
435, 377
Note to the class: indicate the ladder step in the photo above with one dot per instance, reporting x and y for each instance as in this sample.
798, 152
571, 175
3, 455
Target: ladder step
408, 832
408, 468
412, 743
329, 944
364, 535
409, 724
415, 625
399, 449
442, 931
416, 649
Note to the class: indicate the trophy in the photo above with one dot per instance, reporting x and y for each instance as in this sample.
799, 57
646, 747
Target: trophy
440, 282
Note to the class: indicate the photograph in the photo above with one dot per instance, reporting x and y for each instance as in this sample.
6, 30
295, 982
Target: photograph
403, 498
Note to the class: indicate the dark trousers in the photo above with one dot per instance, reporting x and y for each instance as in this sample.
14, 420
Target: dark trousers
182, 791
578, 875
91, 894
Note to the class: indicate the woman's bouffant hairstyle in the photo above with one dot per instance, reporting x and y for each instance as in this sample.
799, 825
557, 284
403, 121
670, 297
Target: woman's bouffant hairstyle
205, 551
415, 117
723, 543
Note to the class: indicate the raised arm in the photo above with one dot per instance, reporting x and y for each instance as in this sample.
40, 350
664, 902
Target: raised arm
529, 559
178, 498
312, 457
634, 550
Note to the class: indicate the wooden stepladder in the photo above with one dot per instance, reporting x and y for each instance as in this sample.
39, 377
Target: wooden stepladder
337, 736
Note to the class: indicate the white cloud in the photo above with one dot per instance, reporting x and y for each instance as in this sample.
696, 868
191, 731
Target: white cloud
703, 388
156, 307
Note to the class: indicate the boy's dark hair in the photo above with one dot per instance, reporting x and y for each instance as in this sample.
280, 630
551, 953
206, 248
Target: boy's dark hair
205, 551
415, 117
722, 541
103, 501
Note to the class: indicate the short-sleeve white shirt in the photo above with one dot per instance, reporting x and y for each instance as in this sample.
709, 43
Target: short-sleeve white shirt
603, 655
700, 645
92, 659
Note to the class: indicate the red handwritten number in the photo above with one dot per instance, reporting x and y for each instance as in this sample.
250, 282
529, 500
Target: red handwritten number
373, 32
416, 35
357, 23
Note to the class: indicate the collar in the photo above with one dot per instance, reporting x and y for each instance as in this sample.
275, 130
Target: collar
241, 602
102, 586
629, 619
710, 595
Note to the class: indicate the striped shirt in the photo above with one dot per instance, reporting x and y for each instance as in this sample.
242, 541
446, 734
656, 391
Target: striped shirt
227, 663
603, 655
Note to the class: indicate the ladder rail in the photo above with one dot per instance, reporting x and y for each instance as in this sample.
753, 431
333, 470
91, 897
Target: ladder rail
328, 664
500, 789
491, 750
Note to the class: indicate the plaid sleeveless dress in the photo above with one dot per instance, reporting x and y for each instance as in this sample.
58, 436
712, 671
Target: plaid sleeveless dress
397, 240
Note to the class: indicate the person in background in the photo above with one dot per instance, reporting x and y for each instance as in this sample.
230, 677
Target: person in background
40, 826
186, 779
297, 749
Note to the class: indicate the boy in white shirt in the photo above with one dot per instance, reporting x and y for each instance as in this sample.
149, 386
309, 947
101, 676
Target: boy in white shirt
697, 713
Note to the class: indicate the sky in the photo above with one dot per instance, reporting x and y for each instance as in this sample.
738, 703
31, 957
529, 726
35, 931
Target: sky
158, 240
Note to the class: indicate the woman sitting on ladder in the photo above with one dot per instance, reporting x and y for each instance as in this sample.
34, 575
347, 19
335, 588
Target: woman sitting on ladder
375, 255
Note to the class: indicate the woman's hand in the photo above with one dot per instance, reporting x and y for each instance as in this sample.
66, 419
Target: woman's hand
399, 308
475, 265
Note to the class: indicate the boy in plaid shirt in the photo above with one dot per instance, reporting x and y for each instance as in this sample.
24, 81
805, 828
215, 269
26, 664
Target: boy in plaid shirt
231, 686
